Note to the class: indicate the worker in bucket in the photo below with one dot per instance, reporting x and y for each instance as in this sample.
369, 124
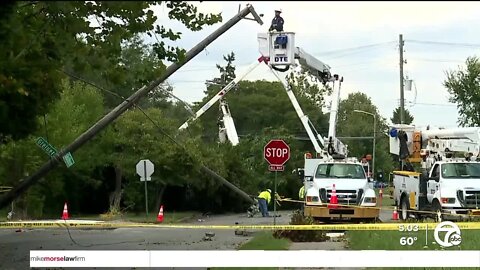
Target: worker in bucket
263, 200
277, 22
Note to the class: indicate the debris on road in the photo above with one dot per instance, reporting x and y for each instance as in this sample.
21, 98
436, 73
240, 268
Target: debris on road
335, 237
209, 236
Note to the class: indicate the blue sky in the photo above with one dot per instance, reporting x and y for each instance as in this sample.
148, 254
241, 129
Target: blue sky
325, 28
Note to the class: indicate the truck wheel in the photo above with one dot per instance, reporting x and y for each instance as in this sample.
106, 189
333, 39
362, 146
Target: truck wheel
404, 207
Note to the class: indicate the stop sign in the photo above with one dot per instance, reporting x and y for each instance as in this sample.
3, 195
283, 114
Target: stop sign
276, 152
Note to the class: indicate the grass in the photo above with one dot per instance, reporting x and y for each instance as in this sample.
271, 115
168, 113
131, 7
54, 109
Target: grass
387, 201
261, 241
169, 217
266, 241
390, 240
3, 215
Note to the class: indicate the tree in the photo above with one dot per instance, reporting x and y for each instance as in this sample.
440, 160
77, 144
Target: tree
137, 66
407, 117
463, 85
353, 124
305, 85
39, 37
76, 109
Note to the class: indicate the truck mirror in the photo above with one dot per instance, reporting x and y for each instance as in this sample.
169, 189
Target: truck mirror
308, 178
301, 173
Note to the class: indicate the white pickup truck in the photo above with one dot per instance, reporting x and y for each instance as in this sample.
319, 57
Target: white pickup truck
356, 198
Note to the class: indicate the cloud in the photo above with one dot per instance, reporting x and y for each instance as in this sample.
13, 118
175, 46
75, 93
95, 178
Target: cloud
325, 27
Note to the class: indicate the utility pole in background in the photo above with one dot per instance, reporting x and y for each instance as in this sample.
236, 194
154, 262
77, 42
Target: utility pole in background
402, 100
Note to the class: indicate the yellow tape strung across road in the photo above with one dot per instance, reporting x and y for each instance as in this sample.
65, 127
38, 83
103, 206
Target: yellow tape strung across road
387, 208
326, 227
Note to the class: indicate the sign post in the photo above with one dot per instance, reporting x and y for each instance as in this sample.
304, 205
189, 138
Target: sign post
145, 169
276, 153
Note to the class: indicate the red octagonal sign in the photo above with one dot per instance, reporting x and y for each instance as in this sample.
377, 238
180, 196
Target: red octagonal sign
276, 152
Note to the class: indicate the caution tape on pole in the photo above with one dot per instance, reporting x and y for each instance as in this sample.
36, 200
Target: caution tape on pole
326, 227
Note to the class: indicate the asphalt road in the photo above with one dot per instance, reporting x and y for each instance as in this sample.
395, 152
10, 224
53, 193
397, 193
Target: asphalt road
15, 246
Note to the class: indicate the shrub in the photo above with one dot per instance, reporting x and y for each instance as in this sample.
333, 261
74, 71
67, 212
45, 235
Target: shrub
301, 235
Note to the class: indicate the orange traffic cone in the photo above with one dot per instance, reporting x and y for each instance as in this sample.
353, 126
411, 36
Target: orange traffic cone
333, 198
380, 193
160, 214
395, 214
65, 212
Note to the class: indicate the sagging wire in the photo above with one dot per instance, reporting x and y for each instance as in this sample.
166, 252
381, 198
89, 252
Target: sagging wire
124, 99
149, 118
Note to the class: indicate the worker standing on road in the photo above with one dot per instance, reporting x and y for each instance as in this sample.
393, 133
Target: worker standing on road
277, 22
263, 200
301, 193
301, 196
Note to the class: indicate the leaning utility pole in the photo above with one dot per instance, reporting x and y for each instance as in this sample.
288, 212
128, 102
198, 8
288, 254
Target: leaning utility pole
26, 183
402, 99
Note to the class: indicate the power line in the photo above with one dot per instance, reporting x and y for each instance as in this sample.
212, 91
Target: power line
436, 60
360, 64
356, 48
436, 104
444, 43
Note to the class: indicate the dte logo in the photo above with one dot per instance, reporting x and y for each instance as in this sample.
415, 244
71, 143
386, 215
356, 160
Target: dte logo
281, 59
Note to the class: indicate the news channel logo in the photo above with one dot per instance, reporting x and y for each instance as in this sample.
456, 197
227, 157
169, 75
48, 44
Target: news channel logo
452, 235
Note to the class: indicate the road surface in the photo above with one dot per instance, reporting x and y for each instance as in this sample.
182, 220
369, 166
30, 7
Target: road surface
15, 246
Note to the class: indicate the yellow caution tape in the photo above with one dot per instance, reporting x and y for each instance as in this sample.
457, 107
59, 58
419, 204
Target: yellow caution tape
326, 227
472, 213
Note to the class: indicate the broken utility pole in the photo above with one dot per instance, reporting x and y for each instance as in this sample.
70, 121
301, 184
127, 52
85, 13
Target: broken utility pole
121, 108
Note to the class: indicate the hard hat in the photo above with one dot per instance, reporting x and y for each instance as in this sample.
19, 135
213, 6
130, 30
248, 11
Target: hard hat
269, 190
278, 10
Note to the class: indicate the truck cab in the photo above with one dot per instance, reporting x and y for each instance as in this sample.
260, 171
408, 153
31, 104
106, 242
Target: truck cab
449, 190
454, 186
351, 186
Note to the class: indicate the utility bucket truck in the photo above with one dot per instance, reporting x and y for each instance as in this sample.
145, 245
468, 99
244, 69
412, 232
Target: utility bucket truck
356, 198
331, 167
448, 184
332, 172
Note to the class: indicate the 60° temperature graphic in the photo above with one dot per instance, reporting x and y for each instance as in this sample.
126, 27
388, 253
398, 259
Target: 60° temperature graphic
408, 240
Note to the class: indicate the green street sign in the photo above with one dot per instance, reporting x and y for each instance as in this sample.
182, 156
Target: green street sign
68, 159
51, 151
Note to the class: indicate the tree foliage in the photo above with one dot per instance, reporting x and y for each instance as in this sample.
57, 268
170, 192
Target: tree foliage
82, 35
353, 124
463, 85
407, 116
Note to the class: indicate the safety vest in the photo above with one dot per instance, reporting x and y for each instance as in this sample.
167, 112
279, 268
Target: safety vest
265, 195
301, 193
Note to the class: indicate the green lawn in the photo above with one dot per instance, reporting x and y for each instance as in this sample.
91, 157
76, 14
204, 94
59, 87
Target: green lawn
3, 215
169, 217
261, 241
266, 241
390, 240
387, 201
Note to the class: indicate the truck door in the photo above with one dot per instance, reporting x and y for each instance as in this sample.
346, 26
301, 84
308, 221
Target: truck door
432, 185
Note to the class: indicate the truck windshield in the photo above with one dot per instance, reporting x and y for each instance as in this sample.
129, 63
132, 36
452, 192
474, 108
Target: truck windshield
461, 170
335, 170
